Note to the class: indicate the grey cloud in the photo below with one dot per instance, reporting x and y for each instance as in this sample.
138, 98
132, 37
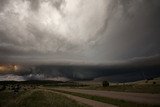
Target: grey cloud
11, 77
23, 35
2, 4
146, 61
35, 4
105, 31
132, 30
58, 3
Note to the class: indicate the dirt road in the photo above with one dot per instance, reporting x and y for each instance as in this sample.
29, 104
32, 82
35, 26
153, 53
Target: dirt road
134, 97
86, 101
89, 102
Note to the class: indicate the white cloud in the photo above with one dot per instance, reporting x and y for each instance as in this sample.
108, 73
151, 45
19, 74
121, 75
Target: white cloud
11, 77
76, 23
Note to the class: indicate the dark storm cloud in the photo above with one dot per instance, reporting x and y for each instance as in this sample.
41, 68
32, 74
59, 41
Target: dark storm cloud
123, 73
80, 39
132, 31
79, 31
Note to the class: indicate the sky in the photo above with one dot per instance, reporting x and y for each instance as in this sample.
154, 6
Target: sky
80, 32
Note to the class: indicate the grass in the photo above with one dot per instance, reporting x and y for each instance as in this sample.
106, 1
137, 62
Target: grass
36, 98
119, 103
138, 88
142, 86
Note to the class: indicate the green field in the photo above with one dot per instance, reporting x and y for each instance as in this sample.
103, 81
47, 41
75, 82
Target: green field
36, 98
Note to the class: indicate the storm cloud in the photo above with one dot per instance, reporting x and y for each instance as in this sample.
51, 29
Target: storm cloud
78, 31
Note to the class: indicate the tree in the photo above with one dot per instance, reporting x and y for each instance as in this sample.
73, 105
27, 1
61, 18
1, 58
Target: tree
105, 83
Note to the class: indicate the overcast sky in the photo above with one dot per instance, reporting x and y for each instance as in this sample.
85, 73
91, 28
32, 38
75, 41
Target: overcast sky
79, 31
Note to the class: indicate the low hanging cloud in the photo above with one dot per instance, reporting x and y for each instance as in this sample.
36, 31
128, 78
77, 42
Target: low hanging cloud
11, 77
78, 31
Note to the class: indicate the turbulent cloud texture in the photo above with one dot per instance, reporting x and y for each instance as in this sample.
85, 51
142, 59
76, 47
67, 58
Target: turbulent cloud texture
78, 31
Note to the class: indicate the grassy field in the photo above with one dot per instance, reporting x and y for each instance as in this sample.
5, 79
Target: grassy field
143, 86
138, 88
36, 98
31, 94
119, 103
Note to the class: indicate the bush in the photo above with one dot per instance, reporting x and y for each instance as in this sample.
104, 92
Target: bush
105, 83
154, 82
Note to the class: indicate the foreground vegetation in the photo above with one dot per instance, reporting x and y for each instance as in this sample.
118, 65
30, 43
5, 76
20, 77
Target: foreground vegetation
137, 88
134, 87
119, 103
31, 94
36, 98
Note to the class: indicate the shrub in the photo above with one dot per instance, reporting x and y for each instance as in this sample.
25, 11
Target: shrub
105, 83
154, 82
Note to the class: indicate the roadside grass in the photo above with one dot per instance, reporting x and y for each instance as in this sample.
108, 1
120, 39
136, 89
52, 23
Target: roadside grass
137, 88
117, 102
37, 98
